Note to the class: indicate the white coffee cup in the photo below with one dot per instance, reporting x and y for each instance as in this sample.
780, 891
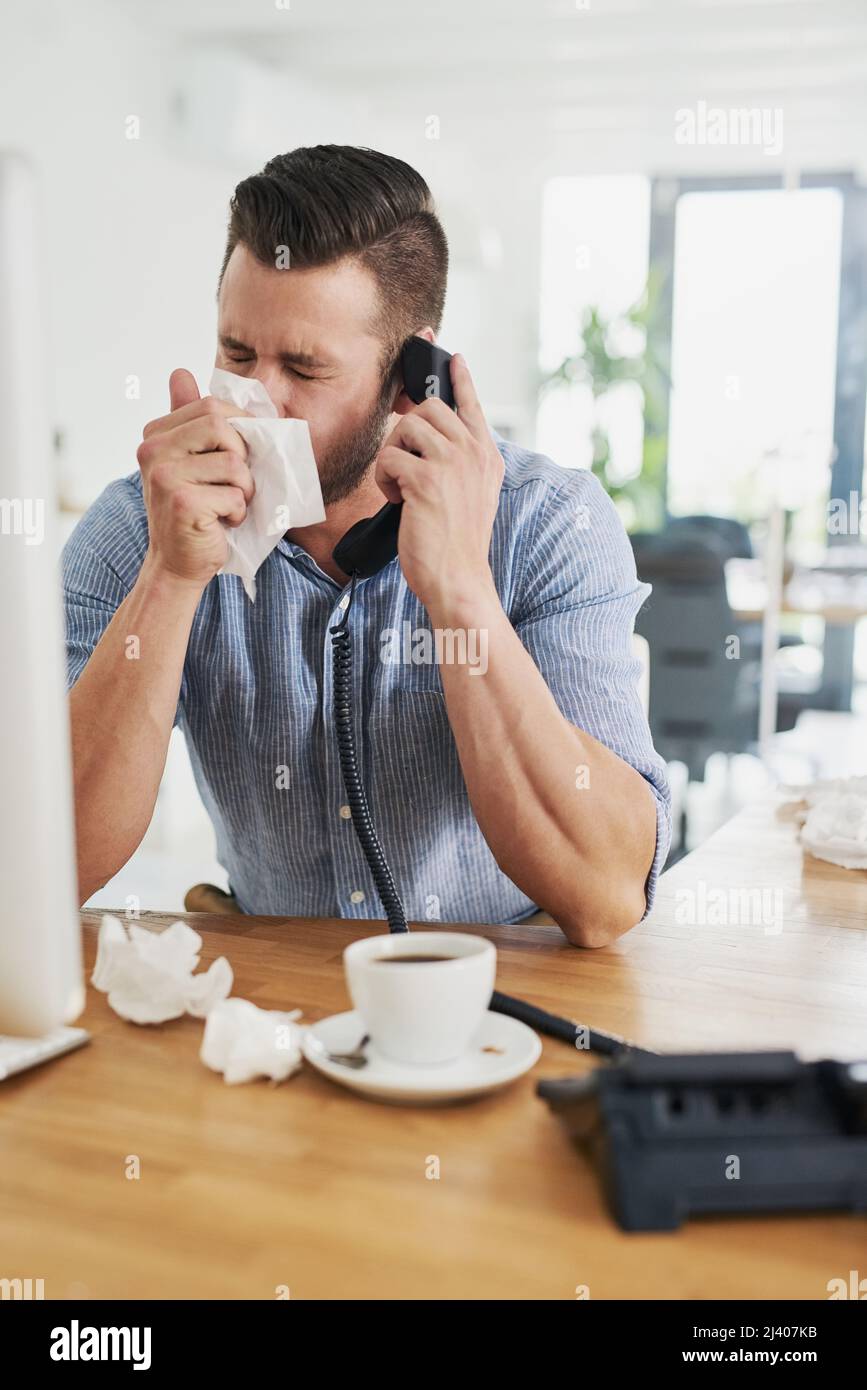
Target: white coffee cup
421, 1012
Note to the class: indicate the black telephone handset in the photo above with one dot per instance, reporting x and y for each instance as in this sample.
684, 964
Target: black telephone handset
370, 544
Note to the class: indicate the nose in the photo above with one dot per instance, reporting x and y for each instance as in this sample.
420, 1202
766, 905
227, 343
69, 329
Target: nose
279, 389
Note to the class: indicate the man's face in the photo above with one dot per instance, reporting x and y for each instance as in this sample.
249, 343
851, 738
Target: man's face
307, 336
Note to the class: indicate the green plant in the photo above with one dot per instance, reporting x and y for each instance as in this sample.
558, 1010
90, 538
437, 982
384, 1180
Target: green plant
601, 364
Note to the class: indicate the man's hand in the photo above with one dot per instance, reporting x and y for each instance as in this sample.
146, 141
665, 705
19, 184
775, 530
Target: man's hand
195, 476
447, 471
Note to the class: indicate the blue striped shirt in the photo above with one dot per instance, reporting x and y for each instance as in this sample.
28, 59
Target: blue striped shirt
255, 697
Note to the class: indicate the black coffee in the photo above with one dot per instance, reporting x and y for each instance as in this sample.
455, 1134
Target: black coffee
409, 960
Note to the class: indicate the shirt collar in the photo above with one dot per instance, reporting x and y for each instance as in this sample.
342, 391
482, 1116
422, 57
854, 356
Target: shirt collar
292, 551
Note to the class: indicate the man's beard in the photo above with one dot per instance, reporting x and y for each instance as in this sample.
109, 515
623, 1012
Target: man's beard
344, 466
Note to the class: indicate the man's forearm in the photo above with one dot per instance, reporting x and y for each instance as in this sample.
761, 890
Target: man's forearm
570, 822
122, 709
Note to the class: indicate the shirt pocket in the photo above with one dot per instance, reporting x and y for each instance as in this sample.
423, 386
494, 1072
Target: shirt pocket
401, 673
413, 748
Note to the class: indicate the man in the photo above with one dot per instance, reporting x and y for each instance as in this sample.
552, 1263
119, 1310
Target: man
524, 781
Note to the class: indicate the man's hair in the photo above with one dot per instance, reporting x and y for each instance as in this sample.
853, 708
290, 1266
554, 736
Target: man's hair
324, 203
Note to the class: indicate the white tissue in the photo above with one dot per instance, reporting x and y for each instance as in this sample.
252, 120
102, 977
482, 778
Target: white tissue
836, 826
148, 976
284, 470
243, 1041
823, 788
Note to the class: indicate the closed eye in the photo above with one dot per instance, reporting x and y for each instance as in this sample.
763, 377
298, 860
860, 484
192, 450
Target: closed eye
239, 359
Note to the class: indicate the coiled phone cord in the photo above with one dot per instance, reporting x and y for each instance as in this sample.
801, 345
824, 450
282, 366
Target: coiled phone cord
589, 1039
362, 821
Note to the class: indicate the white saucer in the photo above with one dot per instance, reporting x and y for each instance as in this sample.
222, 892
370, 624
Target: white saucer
514, 1049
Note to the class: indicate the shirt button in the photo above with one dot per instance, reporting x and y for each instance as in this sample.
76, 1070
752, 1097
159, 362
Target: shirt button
345, 812
356, 896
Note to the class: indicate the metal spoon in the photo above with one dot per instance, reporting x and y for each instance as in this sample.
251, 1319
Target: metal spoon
354, 1059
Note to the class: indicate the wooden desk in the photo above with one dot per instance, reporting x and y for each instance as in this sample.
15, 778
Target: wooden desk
834, 614
244, 1189
840, 601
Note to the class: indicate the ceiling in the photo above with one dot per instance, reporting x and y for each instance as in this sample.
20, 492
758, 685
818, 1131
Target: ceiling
559, 75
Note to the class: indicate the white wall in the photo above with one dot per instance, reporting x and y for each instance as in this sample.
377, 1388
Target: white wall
133, 229
131, 236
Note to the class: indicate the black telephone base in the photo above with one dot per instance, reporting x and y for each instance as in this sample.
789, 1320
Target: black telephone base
678, 1136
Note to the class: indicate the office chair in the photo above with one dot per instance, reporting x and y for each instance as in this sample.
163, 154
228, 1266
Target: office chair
703, 697
732, 535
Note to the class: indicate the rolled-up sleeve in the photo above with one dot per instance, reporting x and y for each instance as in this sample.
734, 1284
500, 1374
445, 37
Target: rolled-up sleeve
100, 564
92, 594
575, 614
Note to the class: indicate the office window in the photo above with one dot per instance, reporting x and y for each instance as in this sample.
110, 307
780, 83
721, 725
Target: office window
754, 338
595, 238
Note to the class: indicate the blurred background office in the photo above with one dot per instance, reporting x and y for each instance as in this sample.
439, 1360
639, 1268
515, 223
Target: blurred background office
658, 229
